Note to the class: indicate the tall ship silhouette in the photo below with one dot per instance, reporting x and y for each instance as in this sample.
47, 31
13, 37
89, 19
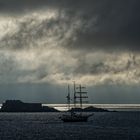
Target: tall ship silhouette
79, 97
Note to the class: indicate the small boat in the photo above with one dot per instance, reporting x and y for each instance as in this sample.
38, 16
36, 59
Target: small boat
71, 115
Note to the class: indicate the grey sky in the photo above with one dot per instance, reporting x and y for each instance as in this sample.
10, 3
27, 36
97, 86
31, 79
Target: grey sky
53, 42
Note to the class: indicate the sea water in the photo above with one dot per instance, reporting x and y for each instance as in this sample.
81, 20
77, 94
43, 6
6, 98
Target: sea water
48, 126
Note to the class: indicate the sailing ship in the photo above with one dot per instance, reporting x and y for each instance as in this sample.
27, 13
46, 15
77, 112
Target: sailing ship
72, 115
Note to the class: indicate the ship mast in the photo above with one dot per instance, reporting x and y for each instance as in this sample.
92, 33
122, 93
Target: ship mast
68, 98
81, 95
74, 100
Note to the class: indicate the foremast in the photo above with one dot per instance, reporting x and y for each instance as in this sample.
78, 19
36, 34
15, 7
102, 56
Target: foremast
68, 98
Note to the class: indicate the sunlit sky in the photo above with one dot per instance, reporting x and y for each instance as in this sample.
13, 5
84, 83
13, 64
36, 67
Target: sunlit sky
45, 45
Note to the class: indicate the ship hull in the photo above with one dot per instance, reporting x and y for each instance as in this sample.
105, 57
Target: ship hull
75, 118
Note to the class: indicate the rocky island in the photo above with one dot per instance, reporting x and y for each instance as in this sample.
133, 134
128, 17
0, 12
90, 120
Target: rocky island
19, 106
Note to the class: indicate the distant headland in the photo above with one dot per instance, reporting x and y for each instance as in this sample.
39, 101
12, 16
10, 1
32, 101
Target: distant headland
19, 106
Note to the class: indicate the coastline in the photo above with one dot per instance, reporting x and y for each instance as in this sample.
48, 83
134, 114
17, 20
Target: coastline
109, 107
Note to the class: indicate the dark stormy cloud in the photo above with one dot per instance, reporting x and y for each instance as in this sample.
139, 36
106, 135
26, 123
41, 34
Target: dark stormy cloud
62, 40
46, 44
97, 24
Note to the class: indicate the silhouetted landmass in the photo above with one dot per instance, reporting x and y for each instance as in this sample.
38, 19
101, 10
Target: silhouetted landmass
19, 106
95, 109
49, 109
89, 109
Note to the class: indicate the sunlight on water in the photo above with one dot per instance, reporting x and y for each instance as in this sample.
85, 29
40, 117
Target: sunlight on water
115, 107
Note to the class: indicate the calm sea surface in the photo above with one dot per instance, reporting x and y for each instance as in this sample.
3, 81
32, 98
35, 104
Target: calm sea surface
48, 126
